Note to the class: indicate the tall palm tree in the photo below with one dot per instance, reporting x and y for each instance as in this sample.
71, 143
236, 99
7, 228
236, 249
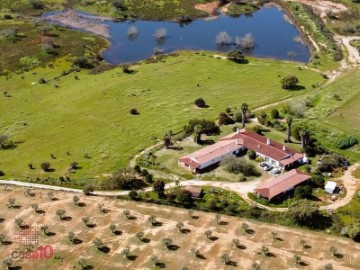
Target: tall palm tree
304, 134
244, 109
197, 133
288, 122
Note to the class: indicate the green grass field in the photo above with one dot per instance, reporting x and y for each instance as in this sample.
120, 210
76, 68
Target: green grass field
91, 115
336, 113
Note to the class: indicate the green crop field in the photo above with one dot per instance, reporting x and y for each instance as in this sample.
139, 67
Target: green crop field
90, 116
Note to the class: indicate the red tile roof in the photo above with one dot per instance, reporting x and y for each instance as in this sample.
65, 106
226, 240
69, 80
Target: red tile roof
258, 143
206, 154
282, 183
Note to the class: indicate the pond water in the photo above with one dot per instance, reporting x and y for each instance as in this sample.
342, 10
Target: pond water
274, 37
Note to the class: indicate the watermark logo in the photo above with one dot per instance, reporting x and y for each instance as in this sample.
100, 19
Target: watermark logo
29, 238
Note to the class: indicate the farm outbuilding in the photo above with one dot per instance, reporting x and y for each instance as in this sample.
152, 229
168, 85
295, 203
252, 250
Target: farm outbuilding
330, 187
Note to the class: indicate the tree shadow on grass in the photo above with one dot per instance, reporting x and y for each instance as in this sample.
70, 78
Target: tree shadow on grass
338, 255
242, 247
2, 220
131, 257
173, 247
201, 257
185, 231
50, 234
6, 243
223, 223
81, 204
77, 241
91, 226
104, 249
296, 88
231, 263
160, 265
39, 211
67, 218
157, 224
213, 238
145, 240
15, 268
250, 231
117, 232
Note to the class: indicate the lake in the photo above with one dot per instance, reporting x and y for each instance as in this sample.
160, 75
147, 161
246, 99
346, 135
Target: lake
274, 37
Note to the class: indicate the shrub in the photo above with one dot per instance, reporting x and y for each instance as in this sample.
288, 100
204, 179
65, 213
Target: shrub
42, 81
289, 82
8, 17
237, 165
134, 111
275, 113
346, 142
149, 178
251, 154
133, 195
238, 117
37, 4
236, 56
225, 119
137, 169
29, 62
208, 127
45, 166
83, 62
200, 102
330, 162
318, 180
2, 173
119, 5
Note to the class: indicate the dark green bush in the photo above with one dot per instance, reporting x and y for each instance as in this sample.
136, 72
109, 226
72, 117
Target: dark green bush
346, 142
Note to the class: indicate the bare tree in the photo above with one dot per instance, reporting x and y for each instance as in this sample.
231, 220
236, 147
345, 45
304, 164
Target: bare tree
246, 42
51, 195
126, 252
98, 243
126, 214
86, 220
71, 236
160, 34
152, 220
167, 242
223, 38
140, 236
132, 31
225, 258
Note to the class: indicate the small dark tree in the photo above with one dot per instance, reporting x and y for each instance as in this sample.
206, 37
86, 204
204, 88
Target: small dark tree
45, 166
112, 228
225, 119
289, 82
244, 109
236, 56
133, 195
275, 113
86, 220
83, 62
159, 187
88, 189
126, 214
44, 229
134, 111
200, 102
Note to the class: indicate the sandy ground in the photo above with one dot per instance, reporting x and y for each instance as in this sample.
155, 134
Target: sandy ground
283, 250
73, 19
209, 8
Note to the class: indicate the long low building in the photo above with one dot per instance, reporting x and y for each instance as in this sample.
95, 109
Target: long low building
272, 152
281, 184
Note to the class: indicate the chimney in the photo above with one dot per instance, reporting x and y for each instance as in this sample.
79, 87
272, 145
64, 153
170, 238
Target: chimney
284, 148
268, 141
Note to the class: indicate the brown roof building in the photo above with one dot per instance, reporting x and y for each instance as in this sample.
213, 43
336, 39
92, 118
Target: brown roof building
282, 183
272, 152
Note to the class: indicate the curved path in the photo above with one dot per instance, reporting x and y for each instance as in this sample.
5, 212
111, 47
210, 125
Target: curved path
241, 188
